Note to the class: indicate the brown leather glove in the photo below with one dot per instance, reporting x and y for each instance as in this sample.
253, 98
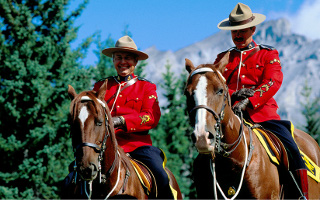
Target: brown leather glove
241, 94
118, 121
241, 106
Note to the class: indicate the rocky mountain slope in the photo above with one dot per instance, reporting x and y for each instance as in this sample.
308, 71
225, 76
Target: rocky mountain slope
300, 60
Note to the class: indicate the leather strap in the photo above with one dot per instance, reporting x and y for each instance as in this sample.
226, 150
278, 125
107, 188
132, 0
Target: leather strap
129, 83
235, 69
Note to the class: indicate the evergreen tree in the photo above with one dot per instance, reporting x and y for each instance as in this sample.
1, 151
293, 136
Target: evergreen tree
311, 111
172, 133
36, 65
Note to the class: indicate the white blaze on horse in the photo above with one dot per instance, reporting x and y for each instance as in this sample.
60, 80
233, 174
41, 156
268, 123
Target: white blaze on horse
102, 169
239, 165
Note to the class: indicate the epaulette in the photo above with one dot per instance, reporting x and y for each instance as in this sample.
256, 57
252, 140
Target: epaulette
263, 46
230, 49
143, 79
224, 52
103, 79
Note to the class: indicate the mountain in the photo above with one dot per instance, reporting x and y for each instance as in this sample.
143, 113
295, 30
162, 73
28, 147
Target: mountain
300, 60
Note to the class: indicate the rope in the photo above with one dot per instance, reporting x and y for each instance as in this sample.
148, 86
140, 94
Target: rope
215, 182
118, 179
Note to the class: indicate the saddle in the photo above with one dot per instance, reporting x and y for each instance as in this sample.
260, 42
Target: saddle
278, 153
146, 177
272, 144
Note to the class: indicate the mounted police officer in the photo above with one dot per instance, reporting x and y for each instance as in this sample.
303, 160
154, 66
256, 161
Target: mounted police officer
254, 76
134, 106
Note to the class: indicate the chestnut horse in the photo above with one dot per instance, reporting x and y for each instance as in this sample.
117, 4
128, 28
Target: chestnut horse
102, 168
240, 166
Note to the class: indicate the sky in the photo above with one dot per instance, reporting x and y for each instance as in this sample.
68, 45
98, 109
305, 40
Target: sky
175, 24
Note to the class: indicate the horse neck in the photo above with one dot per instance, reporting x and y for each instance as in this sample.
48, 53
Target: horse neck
231, 127
111, 155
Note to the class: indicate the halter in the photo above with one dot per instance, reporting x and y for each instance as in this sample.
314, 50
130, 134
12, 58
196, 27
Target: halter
221, 147
97, 148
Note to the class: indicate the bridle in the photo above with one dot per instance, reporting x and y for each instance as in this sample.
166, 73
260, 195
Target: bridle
224, 148
221, 147
99, 149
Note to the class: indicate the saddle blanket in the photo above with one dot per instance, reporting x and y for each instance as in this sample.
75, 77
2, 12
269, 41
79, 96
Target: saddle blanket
313, 169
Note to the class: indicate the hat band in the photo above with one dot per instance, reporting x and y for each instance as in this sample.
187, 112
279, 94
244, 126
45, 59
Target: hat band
129, 48
242, 22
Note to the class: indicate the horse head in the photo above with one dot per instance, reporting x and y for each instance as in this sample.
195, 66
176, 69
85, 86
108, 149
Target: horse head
90, 129
207, 99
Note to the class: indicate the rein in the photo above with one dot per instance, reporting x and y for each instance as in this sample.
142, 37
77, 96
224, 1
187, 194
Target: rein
222, 148
97, 148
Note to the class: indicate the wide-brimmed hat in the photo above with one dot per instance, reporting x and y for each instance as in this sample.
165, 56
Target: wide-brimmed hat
126, 44
241, 17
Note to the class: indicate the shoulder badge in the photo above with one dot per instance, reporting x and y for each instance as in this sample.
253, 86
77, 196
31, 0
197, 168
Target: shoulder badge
263, 46
143, 79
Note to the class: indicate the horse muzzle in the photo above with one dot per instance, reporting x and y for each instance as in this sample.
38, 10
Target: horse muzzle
89, 172
203, 142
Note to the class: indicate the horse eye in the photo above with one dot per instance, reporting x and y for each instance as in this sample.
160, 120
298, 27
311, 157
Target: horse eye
219, 92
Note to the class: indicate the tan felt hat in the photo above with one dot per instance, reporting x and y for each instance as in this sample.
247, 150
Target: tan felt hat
241, 17
126, 44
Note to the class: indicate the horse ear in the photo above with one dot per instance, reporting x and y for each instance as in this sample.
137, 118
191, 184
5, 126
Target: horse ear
223, 62
189, 65
72, 93
102, 90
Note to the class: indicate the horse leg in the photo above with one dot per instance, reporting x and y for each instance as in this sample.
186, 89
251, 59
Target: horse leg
202, 176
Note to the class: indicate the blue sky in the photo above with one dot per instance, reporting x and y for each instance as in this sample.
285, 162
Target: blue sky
174, 24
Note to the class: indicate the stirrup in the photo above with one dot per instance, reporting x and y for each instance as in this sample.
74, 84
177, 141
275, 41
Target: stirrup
302, 198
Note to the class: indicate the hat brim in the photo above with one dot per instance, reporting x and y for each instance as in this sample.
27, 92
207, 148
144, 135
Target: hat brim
225, 25
109, 51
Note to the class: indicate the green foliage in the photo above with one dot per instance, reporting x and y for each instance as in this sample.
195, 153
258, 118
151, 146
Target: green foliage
311, 111
36, 64
171, 134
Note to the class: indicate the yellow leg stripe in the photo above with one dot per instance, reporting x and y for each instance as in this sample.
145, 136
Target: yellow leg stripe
174, 192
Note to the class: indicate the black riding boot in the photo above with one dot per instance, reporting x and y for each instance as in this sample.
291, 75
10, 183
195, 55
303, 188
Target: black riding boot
165, 193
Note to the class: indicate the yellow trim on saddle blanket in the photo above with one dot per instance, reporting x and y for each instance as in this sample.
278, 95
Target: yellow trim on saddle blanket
141, 176
265, 145
313, 169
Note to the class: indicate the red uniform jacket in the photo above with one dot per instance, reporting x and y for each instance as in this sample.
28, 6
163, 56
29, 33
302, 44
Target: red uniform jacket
139, 106
261, 71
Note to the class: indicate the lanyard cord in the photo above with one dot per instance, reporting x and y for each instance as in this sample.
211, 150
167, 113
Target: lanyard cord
129, 83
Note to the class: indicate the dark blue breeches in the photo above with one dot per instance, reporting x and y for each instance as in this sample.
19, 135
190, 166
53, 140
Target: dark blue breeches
281, 129
153, 158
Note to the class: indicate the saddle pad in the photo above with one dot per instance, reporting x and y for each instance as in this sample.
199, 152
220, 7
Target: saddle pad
313, 169
145, 181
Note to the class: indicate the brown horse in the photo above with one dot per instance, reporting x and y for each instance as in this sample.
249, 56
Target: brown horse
240, 166
102, 169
